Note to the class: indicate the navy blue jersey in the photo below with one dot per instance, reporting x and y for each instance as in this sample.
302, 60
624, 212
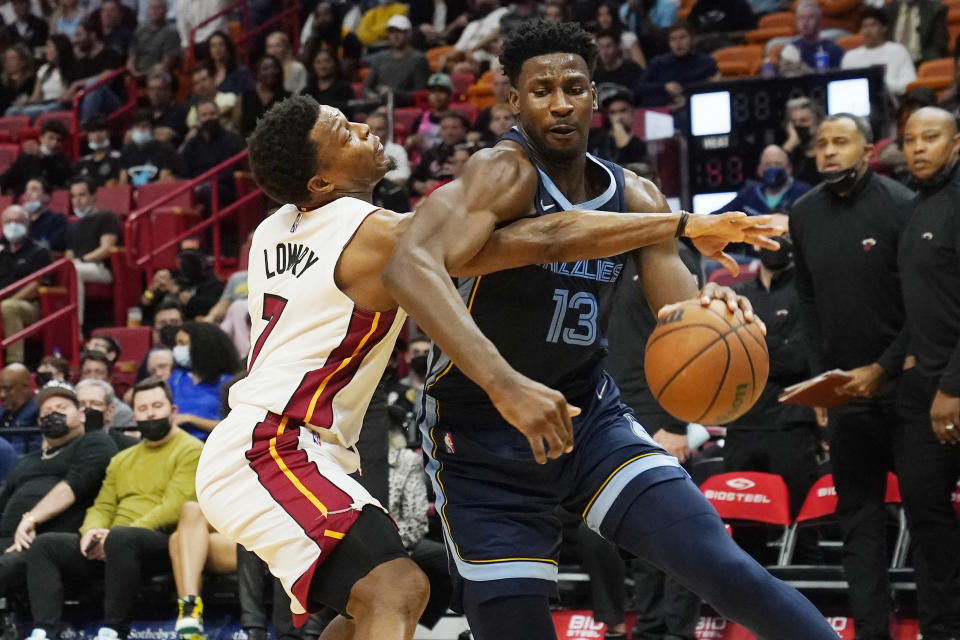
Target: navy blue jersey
547, 320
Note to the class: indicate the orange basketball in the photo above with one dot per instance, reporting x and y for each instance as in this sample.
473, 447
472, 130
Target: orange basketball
704, 364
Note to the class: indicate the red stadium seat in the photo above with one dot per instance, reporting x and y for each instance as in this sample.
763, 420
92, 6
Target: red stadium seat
5, 201
405, 116
134, 343
117, 199
467, 110
68, 119
751, 498
123, 292
60, 202
461, 81
153, 191
14, 125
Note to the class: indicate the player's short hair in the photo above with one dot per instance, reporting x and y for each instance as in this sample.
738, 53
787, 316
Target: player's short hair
283, 157
539, 38
861, 123
151, 382
97, 356
58, 363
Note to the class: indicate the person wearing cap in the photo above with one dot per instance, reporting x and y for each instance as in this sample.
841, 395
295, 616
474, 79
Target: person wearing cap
50, 489
425, 130
615, 141
194, 287
878, 50
400, 69
124, 533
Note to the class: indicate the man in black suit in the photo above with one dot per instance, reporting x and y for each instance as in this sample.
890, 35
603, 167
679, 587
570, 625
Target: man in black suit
27, 28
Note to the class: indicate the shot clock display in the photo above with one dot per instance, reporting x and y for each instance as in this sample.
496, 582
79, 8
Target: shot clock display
730, 122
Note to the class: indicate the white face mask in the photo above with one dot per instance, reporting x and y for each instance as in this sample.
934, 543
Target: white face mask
99, 146
181, 355
45, 150
32, 206
14, 231
82, 212
141, 136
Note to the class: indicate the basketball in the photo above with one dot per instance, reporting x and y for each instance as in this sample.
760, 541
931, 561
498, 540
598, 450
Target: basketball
704, 364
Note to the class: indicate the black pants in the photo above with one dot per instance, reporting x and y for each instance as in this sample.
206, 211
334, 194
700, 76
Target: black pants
928, 474
253, 580
862, 438
131, 553
13, 570
666, 610
607, 571
790, 453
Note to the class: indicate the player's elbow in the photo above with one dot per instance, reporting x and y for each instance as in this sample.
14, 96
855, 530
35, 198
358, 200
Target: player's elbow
401, 266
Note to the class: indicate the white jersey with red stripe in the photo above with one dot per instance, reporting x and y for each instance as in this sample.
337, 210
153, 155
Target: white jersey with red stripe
315, 356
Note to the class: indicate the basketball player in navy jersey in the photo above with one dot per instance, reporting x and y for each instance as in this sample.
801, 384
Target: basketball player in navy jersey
546, 323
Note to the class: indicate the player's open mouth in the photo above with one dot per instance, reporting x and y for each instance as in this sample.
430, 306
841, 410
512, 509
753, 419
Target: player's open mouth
563, 130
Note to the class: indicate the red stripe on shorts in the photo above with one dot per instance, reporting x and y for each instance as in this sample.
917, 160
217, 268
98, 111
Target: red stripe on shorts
296, 484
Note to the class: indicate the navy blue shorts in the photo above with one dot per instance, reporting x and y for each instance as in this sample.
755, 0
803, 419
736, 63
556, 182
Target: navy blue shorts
498, 506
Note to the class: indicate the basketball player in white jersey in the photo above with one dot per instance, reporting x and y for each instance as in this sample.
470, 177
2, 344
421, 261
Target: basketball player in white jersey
274, 474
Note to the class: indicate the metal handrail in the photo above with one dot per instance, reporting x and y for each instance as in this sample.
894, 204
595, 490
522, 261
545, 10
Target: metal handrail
129, 105
68, 311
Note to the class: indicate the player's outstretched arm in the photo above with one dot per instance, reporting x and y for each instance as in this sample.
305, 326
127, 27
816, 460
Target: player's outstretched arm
449, 228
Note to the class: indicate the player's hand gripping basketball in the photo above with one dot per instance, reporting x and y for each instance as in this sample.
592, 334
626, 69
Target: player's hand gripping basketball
711, 233
736, 303
539, 413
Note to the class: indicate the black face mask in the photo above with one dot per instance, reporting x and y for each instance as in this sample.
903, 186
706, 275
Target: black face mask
211, 127
42, 378
839, 181
54, 425
805, 135
191, 266
418, 365
168, 335
155, 429
93, 420
780, 259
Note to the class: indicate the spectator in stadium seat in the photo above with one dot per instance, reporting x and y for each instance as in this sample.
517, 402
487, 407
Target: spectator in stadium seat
229, 75
803, 117
20, 256
436, 23
17, 406
612, 67
49, 228
323, 30
378, 126
101, 167
920, 26
17, 78
44, 161
773, 437
401, 68
853, 207
169, 116
206, 359
52, 368
775, 189
156, 42
90, 240
325, 84
93, 61
116, 35
481, 35
502, 118
425, 129
876, 49
190, 13
145, 159
207, 146
123, 536
52, 79
160, 362
96, 365
26, 28
455, 164
294, 73
267, 91
799, 55
100, 404
194, 288
615, 141
608, 21
66, 16
235, 290
106, 345
433, 166
49, 490
204, 88
166, 315
669, 73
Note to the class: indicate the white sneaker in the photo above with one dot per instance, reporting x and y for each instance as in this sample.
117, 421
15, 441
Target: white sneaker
37, 634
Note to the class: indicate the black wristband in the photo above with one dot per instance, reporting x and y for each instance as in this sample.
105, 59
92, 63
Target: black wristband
682, 224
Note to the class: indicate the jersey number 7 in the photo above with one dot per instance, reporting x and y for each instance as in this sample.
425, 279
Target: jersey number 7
273, 306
